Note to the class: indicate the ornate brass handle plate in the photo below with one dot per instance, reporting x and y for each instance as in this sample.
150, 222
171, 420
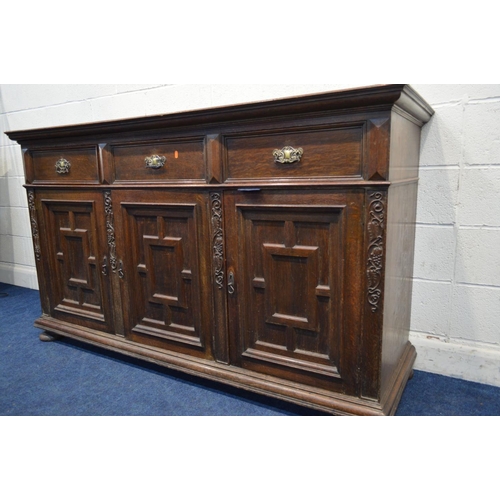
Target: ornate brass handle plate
288, 155
155, 161
63, 166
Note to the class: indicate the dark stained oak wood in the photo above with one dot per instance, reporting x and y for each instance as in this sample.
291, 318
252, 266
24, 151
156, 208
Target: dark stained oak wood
73, 253
82, 165
164, 239
327, 152
296, 259
290, 279
184, 161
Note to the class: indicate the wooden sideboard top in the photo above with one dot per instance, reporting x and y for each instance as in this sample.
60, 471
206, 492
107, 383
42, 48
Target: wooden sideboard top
381, 97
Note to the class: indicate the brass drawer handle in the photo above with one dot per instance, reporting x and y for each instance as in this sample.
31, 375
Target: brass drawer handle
155, 161
63, 166
288, 155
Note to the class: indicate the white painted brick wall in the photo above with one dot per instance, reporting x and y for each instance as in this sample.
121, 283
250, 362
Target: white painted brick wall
434, 253
456, 293
459, 198
438, 195
470, 269
474, 314
482, 132
479, 201
431, 307
442, 137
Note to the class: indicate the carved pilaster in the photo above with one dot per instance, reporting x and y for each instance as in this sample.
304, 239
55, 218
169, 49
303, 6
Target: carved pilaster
110, 230
376, 223
218, 239
34, 225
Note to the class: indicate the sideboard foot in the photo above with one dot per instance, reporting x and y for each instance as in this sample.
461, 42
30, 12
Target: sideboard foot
49, 337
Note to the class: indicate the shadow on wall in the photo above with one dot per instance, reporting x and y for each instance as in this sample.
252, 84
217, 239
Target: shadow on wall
6, 246
454, 301
434, 245
9, 182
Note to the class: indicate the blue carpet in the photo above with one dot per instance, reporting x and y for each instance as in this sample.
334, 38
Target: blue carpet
71, 378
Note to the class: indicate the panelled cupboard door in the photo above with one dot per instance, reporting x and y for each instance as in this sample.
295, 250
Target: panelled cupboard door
75, 253
295, 260
163, 246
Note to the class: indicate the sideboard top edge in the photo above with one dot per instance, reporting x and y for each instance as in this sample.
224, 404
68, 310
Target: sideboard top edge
401, 95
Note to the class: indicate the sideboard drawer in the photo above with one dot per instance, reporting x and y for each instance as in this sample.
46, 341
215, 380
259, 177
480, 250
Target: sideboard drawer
66, 165
320, 153
168, 161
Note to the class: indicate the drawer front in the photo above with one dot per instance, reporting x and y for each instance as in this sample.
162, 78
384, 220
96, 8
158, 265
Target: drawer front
320, 153
66, 165
168, 161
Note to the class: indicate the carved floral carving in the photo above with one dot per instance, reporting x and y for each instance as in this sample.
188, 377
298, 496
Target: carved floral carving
376, 223
34, 225
110, 230
218, 239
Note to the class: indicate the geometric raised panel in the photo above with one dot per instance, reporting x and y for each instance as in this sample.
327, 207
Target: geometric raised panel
293, 256
75, 254
377, 148
164, 262
164, 288
73, 241
301, 264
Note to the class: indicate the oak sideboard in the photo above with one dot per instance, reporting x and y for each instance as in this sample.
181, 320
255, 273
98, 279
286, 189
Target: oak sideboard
268, 245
